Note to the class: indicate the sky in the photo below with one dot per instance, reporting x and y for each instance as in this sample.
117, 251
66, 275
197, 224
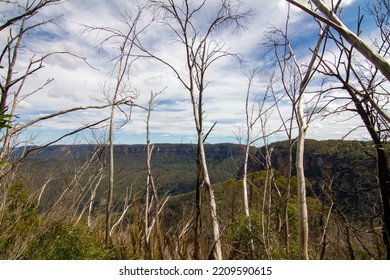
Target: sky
83, 83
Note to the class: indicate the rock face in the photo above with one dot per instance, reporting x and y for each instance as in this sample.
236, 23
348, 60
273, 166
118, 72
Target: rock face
213, 151
174, 165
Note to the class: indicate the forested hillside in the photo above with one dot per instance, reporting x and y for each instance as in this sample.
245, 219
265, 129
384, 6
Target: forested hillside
173, 164
56, 185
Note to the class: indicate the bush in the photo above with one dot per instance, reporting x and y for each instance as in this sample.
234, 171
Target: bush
65, 241
18, 224
239, 236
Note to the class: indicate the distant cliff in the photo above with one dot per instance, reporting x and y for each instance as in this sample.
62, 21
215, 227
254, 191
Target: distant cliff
345, 162
174, 165
213, 151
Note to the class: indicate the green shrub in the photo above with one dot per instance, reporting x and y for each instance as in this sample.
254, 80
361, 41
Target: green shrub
19, 222
65, 241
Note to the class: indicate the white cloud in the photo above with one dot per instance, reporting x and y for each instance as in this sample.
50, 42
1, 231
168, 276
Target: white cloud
77, 84
24, 105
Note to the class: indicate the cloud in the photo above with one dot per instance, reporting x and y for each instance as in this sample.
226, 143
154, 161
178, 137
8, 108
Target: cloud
56, 93
24, 105
77, 84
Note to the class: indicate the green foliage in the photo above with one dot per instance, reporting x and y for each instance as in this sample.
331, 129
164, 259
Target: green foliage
5, 166
238, 236
5, 121
64, 241
293, 217
19, 221
266, 246
25, 235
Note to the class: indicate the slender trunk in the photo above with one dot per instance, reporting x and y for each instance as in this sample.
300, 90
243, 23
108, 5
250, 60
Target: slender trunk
147, 199
267, 198
198, 205
245, 195
322, 247
6, 89
299, 159
303, 215
287, 201
92, 199
263, 226
217, 248
244, 181
269, 210
245, 175
110, 174
123, 64
146, 224
203, 173
152, 186
298, 103
199, 174
11, 66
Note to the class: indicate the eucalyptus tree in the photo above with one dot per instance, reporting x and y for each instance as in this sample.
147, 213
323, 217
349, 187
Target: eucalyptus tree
295, 79
250, 122
122, 89
196, 34
152, 188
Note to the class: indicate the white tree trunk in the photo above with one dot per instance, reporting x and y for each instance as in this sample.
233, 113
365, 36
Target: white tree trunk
245, 194
303, 215
213, 206
249, 125
299, 159
111, 171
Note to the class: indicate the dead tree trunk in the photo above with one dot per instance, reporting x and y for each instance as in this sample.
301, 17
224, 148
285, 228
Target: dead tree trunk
150, 186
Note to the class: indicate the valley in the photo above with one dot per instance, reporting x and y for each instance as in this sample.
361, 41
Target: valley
340, 179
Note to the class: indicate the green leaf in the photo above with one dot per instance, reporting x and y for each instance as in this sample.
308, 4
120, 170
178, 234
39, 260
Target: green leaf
5, 121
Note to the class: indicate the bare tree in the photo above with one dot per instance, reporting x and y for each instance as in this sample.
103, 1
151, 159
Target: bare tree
28, 10
367, 96
201, 51
151, 188
14, 84
249, 125
301, 76
122, 88
125, 61
287, 126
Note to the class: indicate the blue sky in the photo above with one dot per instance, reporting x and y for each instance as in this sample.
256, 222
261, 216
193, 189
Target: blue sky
77, 84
